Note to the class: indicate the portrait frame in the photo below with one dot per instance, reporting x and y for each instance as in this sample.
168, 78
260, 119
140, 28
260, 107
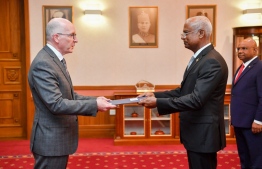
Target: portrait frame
210, 11
55, 11
141, 40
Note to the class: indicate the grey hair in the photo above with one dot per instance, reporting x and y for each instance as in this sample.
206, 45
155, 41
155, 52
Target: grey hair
53, 26
200, 22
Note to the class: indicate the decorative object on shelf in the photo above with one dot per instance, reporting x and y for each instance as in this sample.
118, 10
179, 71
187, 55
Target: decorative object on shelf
159, 132
134, 114
144, 86
132, 133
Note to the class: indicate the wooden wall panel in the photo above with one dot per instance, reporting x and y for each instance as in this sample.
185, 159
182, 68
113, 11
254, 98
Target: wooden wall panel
11, 121
4, 28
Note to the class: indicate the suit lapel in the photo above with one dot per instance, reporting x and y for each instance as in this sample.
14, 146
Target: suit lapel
196, 61
247, 69
60, 65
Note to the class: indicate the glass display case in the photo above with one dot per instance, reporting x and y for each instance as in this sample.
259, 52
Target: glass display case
160, 124
229, 130
227, 119
134, 120
136, 124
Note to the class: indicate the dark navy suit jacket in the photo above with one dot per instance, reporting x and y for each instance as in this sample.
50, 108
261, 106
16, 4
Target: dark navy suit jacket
246, 96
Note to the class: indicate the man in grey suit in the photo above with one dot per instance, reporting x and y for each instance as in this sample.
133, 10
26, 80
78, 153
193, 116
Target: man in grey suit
200, 99
55, 127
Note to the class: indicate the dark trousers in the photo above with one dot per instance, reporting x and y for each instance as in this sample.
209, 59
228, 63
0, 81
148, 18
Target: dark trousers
202, 160
249, 146
50, 162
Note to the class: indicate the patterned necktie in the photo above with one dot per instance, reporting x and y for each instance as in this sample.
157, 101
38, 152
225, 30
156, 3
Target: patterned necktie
239, 72
190, 62
64, 63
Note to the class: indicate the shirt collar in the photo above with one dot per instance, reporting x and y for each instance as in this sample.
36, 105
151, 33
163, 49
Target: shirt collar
248, 62
200, 50
57, 53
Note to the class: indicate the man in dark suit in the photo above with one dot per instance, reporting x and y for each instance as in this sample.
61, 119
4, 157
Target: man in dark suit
246, 105
55, 127
200, 99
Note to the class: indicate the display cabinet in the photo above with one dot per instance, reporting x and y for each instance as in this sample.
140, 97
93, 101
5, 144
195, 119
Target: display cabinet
136, 124
230, 136
240, 33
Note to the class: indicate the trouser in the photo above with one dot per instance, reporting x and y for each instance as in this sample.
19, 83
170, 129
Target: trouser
50, 162
202, 160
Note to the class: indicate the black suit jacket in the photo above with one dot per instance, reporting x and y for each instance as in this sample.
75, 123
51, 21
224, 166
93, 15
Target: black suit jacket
200, 101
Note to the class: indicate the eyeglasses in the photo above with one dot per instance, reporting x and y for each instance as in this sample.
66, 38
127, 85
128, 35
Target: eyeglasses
184, 34
73, 35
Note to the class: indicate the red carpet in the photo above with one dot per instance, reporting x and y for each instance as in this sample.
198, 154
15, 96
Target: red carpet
102, 154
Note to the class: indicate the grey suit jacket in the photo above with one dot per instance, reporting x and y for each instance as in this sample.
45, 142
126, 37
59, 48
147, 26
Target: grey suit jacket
200, 101
55, 126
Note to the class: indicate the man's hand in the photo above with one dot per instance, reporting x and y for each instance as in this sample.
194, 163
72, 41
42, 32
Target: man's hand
146, 95
256, 128
103, 104
103, 98
148, 102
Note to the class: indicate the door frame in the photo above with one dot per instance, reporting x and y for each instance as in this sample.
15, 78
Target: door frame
29, 103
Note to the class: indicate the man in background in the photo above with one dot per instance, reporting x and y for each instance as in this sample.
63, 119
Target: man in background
200, 99
246, 105
55, 127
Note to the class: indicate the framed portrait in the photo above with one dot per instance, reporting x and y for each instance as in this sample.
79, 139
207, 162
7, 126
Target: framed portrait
50, 12
206, 10
143, 27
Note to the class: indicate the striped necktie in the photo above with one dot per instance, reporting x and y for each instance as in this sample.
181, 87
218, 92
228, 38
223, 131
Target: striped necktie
239, 72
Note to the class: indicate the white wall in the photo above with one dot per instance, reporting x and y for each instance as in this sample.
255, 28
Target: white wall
103, 57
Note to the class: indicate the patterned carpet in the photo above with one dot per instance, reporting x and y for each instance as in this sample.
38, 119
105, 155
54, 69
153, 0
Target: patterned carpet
124, 160
102, 154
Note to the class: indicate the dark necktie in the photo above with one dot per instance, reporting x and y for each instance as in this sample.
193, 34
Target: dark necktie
239, 72
64, 63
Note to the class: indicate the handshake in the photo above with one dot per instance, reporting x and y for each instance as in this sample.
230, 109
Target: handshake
146, 99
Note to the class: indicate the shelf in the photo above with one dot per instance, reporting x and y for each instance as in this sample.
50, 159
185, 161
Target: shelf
160, 118
133, 118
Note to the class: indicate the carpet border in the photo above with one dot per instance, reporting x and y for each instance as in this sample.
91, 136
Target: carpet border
118, 153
